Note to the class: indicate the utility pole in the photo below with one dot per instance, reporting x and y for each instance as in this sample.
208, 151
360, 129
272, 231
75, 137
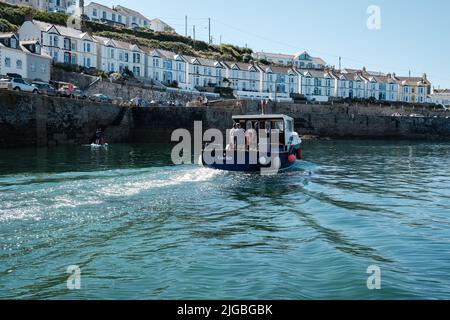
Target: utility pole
340, 63
209, 30
220, 40
186, 27
193, 31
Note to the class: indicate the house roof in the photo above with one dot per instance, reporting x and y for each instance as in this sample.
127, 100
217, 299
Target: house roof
276, 69
242, 66
24, 44
316, 60
64, 31
117, 43
413, 81
131, 12
273, 55
100, 5
317, 73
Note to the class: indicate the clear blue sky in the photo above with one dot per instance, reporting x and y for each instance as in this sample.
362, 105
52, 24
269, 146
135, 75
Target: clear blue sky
414, 34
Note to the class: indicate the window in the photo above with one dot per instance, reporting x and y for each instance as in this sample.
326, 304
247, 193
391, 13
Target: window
87, 62
126, 57
19, 64
120, 18
113, 17
43, 68
74, 46
94, 12
38, 49
137, 71
120, 56
87, 47
66, 57
13, 42
8, 62
66, 44
104, 15
136, 58
55, 41
33, 67
111, 53
74, 59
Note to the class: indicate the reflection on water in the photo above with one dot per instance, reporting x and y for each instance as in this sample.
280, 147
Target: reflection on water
139, 227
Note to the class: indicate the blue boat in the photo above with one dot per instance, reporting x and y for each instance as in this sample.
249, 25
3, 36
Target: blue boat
269, 143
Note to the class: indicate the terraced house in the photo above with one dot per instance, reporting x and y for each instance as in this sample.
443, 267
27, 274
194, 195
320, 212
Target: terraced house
317, 85
205, 72
167, 67
243, 76
63, 44
279, 80
302, 60
116, 56
414, 89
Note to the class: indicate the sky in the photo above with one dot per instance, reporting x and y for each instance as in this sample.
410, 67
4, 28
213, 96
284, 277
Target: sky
414, 36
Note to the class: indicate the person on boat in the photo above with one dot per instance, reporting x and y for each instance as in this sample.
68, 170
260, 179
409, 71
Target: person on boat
239, 134
250, 135
231, 145
99, 136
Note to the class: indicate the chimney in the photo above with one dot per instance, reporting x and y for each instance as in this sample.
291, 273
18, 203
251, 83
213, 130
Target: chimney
424, 77
29, 15
81, 6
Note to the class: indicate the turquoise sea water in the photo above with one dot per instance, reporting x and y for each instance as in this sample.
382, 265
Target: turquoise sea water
140, 228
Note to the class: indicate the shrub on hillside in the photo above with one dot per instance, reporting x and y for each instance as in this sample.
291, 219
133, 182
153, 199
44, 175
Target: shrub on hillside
16, 15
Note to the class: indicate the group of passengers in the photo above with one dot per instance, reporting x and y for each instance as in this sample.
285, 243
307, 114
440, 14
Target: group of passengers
249, 135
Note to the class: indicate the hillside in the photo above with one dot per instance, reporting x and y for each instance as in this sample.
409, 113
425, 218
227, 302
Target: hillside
12, 18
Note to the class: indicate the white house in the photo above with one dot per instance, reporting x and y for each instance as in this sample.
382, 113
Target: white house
13, 59
277, 58
44, 5
24, 58
64, 45
302, 60
205, 72
243, 76
317, 85
279, 80
306, 61
37, 4
116, 56
133, 18
158, 25
440, 97
167, 67
99, 12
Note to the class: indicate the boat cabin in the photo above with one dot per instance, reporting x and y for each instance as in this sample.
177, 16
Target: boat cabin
278, 124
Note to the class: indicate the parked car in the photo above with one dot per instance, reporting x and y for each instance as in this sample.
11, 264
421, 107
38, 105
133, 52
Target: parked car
45, 88
414, 115
66, 91
79, 94
100, 97
396, 114
18, 84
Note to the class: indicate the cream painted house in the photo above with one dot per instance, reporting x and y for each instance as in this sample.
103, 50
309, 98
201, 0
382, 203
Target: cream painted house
413, 89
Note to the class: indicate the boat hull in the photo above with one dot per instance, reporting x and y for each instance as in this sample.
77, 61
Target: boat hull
228, 162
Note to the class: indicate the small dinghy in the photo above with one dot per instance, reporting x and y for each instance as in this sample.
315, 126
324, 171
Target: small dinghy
97, 146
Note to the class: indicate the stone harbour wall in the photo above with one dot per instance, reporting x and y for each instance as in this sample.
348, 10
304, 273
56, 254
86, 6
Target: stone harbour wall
28, 120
